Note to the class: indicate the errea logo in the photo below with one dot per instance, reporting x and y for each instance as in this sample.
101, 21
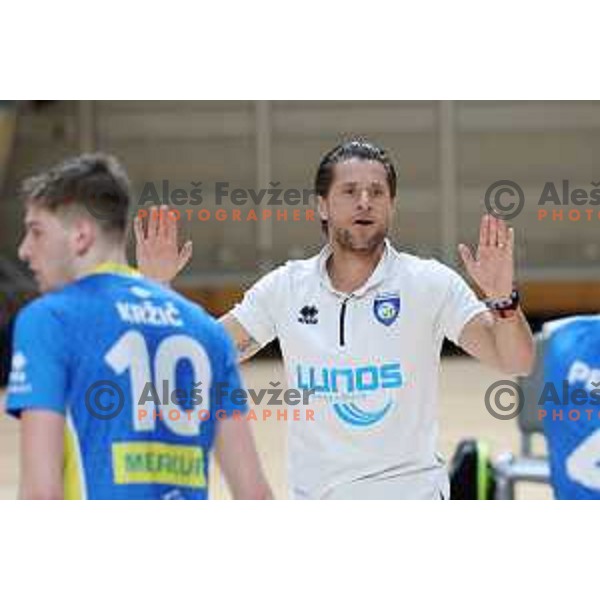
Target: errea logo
18, 361
308, 315
17, 380
140, 292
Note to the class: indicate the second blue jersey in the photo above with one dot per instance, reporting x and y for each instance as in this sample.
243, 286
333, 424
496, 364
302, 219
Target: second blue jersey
570, 406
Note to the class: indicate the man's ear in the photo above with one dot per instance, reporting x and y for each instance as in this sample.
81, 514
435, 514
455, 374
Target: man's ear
322, 208
84, 235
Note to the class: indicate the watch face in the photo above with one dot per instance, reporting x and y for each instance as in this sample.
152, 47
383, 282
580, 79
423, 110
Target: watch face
510, 303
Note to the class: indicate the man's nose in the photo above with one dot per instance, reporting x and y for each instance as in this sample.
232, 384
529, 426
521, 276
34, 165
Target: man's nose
24, 250
364, 199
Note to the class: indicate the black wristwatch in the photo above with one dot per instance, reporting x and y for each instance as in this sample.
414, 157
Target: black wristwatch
503, 306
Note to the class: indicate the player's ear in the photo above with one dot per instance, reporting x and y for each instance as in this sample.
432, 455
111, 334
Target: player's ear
84, 235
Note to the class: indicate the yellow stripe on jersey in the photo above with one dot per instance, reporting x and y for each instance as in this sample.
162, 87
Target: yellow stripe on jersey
74, 484
115, 268
156, 462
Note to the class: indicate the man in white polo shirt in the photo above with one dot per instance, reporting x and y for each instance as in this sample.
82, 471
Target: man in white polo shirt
362, 325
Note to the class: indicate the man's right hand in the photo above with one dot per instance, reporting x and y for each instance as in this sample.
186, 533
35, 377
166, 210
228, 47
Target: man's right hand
157, 254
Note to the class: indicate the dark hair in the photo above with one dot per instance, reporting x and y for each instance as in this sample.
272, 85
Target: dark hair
358, 148
96, 182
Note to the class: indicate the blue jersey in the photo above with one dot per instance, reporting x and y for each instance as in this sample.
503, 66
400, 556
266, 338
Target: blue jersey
571, 403
142, 377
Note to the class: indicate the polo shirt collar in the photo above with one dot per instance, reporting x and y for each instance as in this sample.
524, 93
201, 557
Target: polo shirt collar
377, 276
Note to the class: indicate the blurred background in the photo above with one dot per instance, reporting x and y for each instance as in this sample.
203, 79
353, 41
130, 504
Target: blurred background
447, 154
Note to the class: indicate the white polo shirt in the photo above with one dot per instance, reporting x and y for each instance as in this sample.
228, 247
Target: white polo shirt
372, 358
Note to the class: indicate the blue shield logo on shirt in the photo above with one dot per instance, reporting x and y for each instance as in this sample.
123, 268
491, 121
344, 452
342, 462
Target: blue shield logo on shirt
387, 308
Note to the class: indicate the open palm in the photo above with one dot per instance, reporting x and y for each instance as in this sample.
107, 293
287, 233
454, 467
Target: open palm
157, 249
492, 267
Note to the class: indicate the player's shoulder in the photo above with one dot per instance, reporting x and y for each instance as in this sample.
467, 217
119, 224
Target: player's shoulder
572, 336
558, 327
194, 314
54, 305
173, 308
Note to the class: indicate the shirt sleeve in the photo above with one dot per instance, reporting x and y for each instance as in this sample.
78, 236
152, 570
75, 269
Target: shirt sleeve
38, 377
459, 304
258, 310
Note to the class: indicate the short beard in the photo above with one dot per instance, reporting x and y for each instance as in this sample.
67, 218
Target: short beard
348, 242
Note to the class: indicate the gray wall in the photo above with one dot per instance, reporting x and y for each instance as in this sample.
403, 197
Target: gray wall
447, 154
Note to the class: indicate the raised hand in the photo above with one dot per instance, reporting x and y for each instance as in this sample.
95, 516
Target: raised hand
492, 268
157, 253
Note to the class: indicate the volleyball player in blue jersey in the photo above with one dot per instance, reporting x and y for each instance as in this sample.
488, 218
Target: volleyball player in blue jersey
114, 376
